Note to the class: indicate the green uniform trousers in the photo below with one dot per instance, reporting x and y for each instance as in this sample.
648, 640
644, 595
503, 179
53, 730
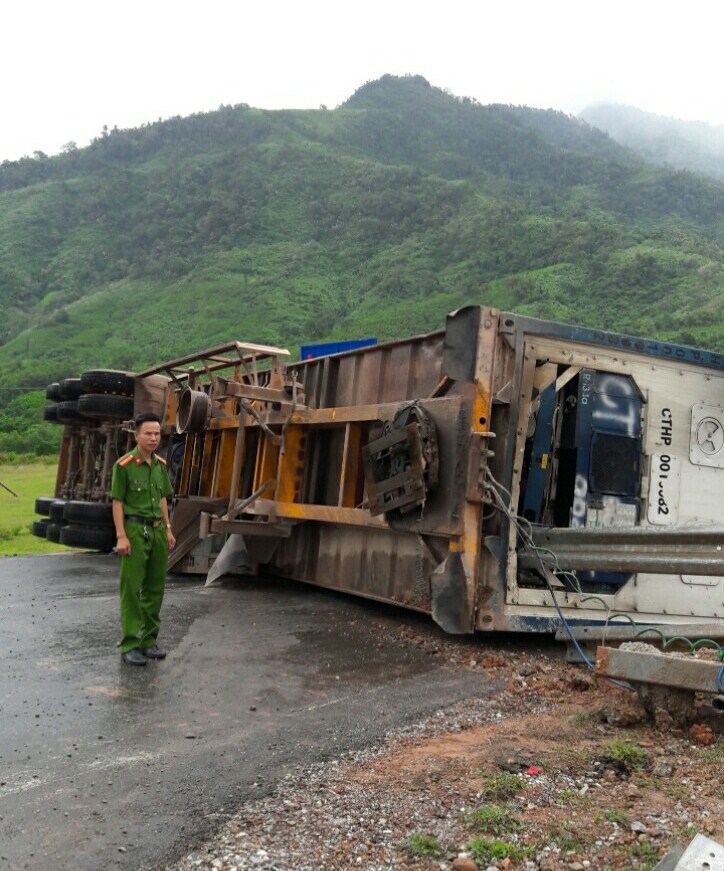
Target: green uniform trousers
143, 579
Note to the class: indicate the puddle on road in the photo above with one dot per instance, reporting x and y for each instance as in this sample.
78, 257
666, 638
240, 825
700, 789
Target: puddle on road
351, 654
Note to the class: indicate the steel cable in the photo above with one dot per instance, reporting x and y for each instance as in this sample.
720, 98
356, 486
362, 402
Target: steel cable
498, 491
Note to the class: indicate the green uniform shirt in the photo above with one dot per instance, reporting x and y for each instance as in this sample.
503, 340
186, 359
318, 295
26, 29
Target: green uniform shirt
139, 486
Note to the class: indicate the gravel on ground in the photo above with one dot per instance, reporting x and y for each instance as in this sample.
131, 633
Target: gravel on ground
560, 771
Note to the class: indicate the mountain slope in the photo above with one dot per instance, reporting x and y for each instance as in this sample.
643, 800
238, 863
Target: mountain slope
375, 218
670, 142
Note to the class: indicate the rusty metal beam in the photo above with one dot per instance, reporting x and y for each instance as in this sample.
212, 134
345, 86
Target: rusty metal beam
662, 669
324, 513
275, 438
250, 527
245, 353
261, 394
240, 506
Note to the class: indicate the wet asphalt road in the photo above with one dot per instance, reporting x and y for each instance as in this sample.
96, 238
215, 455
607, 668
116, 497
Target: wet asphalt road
107, 766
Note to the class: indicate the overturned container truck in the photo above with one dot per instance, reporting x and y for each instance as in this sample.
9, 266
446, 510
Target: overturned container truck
504, 473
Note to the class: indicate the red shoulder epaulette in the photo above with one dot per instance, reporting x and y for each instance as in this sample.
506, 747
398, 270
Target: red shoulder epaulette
160, 459
124, 461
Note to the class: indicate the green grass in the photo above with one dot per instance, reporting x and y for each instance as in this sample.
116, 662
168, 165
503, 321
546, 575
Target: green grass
617, 816
485, 850
17, 513
566, 839
492, 820
623, 751
715, 753
423, 845
502, 786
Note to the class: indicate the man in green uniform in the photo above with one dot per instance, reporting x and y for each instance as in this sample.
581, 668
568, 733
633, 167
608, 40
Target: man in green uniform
139, 491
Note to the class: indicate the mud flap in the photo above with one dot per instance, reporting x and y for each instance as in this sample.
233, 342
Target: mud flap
451, 608
233, 555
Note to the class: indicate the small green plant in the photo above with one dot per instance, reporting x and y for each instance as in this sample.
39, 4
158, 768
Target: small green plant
714, 753
631, 755
621, 818
584, 718
423, 845
502, 786
492, 820
485, 850
641, 856
644, 850
566, 840
565, 796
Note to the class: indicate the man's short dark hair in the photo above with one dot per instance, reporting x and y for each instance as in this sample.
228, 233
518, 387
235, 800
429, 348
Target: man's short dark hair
146, 417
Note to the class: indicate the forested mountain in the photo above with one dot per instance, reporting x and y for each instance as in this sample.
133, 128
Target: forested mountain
377, 217
670, 142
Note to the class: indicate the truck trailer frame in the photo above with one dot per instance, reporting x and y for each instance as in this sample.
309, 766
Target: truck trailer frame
501, 474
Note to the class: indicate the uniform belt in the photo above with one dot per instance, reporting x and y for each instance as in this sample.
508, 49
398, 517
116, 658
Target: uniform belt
146, 521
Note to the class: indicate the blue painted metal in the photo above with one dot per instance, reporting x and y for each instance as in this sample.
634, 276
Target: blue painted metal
585, 335
608, 406
326, 349
541, 458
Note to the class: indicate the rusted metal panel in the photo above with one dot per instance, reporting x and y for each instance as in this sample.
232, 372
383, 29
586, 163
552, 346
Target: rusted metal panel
151, 394
391, 372
376, 563
185, 525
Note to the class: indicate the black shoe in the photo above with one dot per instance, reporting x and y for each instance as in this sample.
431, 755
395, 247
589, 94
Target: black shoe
134, 657
154, 652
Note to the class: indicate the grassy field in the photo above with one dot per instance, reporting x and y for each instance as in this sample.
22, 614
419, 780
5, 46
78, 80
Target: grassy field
17, 513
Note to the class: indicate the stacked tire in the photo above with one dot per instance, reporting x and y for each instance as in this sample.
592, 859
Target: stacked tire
51, 520
107, 394
74, 523
88, 525
99, 394
65, 394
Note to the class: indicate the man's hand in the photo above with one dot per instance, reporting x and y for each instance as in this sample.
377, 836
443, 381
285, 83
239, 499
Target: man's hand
123, 548
170, 539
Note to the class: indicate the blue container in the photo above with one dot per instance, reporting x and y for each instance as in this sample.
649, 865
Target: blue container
324, 349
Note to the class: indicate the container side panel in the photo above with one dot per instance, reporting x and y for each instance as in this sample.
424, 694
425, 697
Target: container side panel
378, 564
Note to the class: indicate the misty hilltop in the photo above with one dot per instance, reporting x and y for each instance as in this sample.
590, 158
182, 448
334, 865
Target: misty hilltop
375, 218
669, 142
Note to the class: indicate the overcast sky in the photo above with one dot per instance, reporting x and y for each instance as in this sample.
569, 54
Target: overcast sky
68, 68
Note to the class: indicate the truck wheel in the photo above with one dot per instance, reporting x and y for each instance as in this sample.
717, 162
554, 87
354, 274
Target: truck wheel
68, 412
40, 527
89, 537
106, 405
52, 532
55, 511
43, 503
50, 413
53, 392
92, 513
70, 388
108, 381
